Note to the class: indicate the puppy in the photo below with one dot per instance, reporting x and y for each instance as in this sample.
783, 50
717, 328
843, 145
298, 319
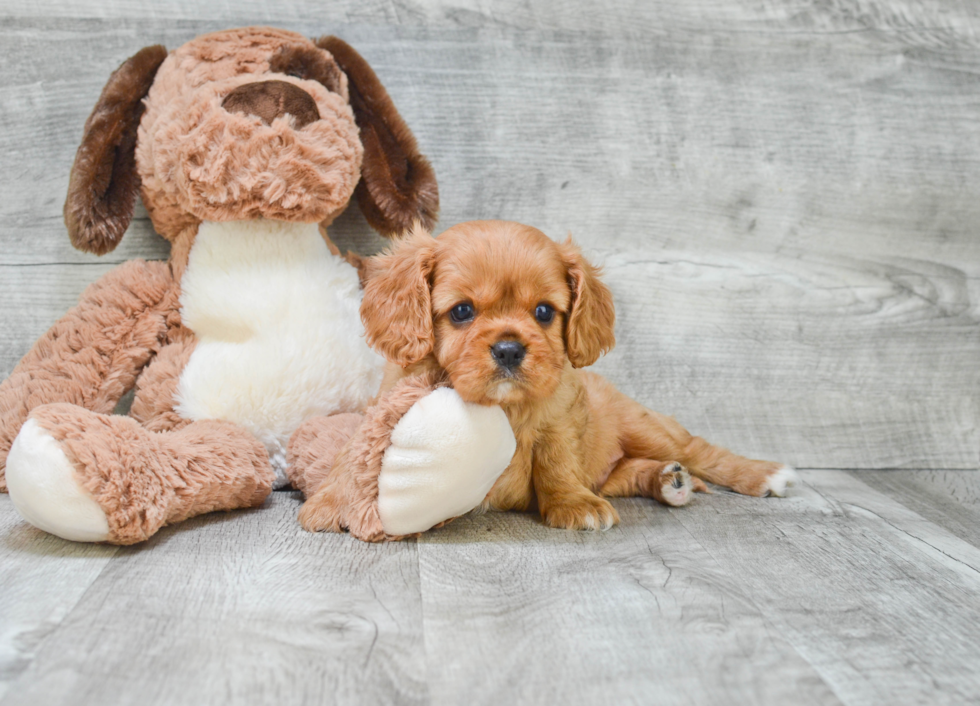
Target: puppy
512, 317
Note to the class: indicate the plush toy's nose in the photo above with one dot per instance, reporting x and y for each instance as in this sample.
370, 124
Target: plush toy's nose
272, 99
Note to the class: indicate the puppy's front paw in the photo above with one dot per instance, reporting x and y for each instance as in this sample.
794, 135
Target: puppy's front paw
321, 513
581, 512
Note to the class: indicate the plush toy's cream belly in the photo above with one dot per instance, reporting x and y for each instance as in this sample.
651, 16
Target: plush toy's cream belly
280, 337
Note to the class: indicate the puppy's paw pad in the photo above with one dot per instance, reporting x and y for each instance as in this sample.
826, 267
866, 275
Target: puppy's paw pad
781, 479
677, 486
582, 514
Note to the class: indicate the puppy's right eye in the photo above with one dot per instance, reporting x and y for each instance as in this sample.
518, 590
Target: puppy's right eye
461, 313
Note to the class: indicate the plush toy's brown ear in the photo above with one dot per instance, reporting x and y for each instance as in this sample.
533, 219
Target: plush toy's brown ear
103, 185
398, 185
589, 331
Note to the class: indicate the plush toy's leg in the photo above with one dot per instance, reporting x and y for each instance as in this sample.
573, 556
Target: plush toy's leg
68, 465
94, 353
313, 448
420, 457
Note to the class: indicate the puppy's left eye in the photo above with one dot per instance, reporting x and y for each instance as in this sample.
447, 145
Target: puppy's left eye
461, 313
544, 313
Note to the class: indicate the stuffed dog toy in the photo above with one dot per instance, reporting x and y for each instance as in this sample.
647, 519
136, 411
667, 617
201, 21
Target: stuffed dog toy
507, 317
244, 145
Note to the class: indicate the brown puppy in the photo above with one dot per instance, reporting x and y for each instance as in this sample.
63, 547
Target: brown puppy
510, 315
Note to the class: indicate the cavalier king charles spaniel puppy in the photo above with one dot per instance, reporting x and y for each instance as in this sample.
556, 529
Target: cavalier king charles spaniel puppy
512, 317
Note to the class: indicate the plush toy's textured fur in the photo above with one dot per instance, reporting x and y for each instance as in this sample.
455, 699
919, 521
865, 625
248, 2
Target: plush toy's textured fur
94, 354
347, 500
205, 466
252, 328
399, 188
270, 357
102, 190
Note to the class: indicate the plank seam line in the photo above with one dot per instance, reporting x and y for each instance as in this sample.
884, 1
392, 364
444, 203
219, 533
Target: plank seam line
57, 629
919, 540
773, 629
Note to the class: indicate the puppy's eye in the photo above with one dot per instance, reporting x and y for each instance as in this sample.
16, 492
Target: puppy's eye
462, 313
544, 313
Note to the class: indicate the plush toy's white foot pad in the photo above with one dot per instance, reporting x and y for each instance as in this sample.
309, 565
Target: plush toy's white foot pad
784, 478
43, 487
445, 455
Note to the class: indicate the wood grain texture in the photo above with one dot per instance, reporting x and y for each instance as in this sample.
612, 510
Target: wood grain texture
243, 608
883, 603
515, 612
835, 595
781, 192
950, 499
44, 578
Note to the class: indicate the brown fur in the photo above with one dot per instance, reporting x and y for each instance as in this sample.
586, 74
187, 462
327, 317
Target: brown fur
156, 388
144, 481
347, 497
577, 436
92, 356
270, 100
310, 64
398, 186
191, 159
103, 185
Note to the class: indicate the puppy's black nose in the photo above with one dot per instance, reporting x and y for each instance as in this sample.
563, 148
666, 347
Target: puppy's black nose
508, 354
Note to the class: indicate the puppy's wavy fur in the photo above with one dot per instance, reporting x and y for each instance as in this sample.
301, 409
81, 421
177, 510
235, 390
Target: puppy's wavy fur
579, 440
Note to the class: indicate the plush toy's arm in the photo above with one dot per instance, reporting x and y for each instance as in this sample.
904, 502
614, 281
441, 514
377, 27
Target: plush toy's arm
420, 457
92, 355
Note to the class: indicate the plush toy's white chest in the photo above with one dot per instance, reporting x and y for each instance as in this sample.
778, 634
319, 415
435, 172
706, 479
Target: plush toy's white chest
279, 333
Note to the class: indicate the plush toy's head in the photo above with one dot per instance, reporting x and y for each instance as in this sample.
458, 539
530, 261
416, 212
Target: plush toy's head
241, 124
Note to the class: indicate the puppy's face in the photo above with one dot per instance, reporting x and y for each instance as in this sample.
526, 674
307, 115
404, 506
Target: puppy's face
498, 305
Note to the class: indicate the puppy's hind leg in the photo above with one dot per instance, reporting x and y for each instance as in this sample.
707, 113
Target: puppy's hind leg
665, 481
647, 434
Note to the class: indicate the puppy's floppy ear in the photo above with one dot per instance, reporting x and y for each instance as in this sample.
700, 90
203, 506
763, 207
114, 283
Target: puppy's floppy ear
397, 305
103, 184
589, 330
398, 185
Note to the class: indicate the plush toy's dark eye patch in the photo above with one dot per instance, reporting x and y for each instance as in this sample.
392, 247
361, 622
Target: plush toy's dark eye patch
309, 64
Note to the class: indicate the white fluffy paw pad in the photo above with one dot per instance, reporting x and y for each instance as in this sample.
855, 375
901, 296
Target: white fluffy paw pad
780, 480
676, 486
46, 492
445, 455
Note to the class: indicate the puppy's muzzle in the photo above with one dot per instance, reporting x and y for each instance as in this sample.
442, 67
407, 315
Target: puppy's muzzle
272, 99
508, 354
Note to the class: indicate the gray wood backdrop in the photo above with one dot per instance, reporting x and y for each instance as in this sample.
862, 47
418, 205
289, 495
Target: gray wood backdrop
783, 192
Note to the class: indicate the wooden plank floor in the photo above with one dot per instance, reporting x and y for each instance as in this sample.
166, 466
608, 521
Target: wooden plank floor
843, 593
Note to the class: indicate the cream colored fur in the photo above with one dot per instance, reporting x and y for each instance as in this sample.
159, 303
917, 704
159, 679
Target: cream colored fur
444, 458
273, 311
46, 491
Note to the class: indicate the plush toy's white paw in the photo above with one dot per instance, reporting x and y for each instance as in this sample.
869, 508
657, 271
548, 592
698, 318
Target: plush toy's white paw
44, 489
444, 457
780, 480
